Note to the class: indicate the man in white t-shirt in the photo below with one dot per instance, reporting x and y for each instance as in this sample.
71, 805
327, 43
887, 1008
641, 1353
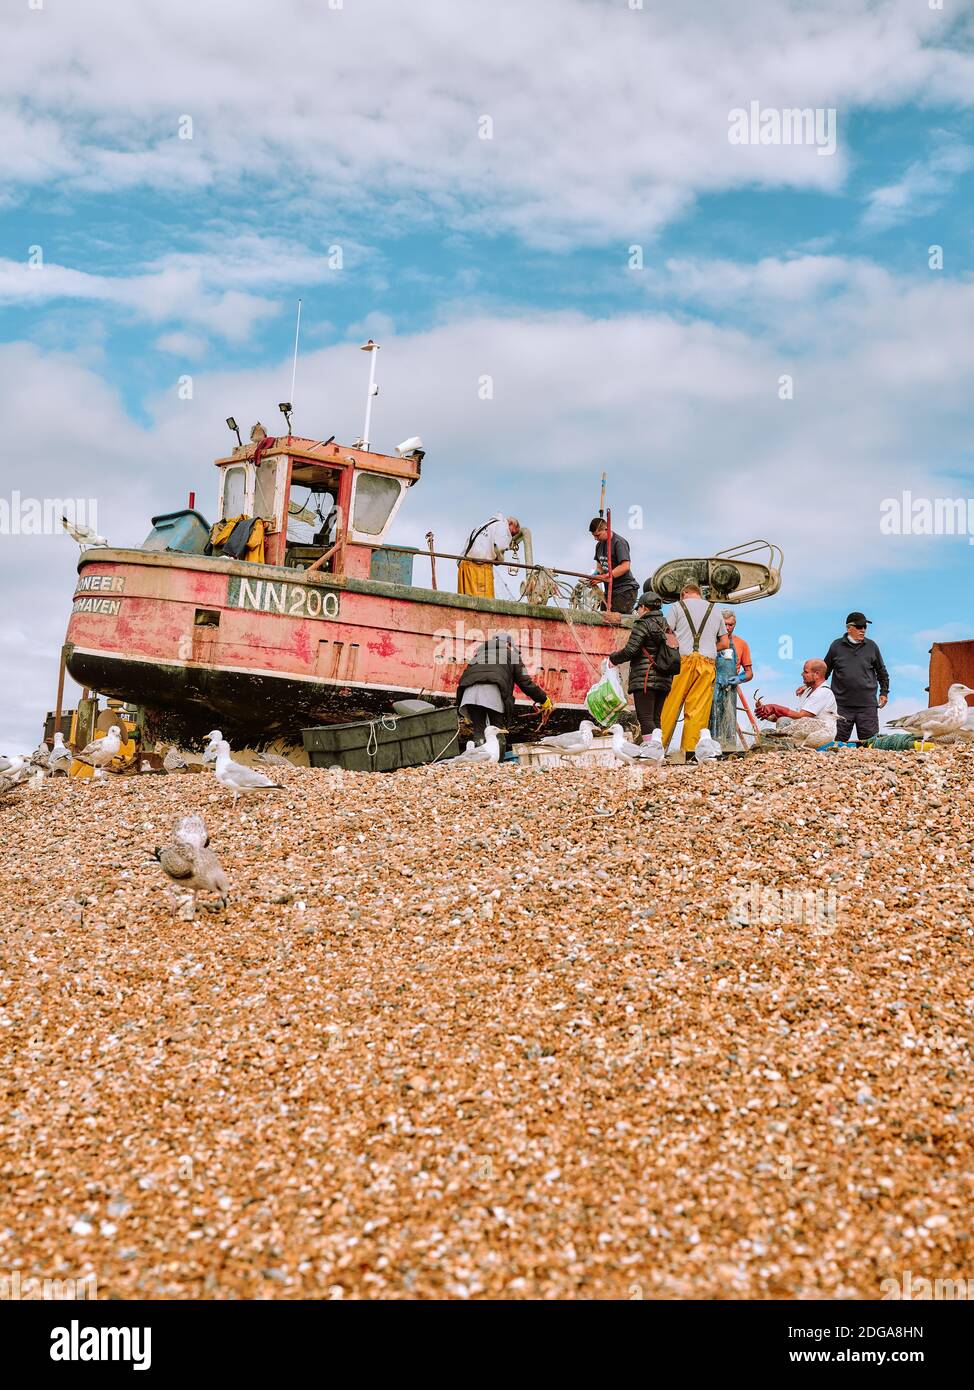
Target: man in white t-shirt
475, 572
814, 721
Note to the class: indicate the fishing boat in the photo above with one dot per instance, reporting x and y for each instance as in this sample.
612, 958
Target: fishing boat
314, 617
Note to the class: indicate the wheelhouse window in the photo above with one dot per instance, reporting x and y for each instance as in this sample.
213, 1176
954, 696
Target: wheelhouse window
234, 491
375, 498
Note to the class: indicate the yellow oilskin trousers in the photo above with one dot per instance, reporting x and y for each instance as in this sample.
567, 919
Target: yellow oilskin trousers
476, 580
692, 688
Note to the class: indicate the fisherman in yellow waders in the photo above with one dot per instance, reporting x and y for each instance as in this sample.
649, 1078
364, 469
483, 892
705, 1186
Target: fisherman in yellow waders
700, 630
475, 572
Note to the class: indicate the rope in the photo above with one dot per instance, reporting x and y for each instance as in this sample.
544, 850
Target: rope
387, 722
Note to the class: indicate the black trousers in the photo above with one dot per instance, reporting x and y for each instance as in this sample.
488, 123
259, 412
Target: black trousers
480, 716
864, 717
649, 708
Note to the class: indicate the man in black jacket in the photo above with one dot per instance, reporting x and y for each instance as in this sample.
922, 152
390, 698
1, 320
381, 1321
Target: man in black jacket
855, 665
486, 687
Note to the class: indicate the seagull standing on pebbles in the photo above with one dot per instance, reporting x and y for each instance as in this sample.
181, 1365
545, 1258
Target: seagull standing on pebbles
622, 747
100, 751
940, 721
212, 739
274, 760
189, 863
575, 742
60, 757
654, 749
487, 752
174, 760
707, 749
238, 778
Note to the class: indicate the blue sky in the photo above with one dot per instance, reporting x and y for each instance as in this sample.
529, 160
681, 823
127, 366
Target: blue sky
359, 127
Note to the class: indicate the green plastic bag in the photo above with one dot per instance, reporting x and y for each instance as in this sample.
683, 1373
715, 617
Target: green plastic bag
606, 697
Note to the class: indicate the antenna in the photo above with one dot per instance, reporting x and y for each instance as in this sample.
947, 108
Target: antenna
371, 348
294, 369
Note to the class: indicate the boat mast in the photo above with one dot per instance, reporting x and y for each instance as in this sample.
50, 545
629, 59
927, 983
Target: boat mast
371, 348
294, 369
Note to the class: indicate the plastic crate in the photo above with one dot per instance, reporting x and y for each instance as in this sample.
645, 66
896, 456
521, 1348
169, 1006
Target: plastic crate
385, 743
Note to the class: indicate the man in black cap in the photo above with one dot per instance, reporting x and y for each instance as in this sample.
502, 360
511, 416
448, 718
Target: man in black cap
855, 665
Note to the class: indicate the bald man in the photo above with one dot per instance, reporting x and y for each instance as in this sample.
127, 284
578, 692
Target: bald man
814, 721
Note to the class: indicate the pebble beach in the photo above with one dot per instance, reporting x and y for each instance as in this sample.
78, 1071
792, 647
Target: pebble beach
487, 1032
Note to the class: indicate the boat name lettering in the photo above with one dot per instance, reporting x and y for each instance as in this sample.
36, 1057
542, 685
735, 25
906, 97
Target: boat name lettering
110, 607
103, 583
290, 600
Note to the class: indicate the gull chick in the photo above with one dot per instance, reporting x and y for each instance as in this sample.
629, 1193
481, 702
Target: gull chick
190, 865
174, 760
238, 778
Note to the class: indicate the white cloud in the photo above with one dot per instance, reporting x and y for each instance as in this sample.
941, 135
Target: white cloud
683, 415
921, 189
607, 121
209, 289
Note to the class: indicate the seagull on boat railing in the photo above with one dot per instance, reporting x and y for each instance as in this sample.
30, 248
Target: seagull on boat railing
84, 535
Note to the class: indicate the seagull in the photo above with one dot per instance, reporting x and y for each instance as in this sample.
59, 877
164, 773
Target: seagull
487, 752
191, 830
212, 739
13, 770
940, 721
174, 760
622, 747
84, 535
654, 749
274, 760
238, 778
575, 742
40, 755
707, 748
100, 751
189, 864
60, 757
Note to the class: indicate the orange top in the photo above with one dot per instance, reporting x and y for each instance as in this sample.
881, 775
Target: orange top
743, 652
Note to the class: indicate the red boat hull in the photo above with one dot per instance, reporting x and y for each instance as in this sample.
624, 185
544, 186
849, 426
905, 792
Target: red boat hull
261, 650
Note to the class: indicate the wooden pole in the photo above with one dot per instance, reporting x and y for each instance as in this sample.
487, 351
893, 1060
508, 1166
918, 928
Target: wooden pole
430, 543
59, 703
608, 557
